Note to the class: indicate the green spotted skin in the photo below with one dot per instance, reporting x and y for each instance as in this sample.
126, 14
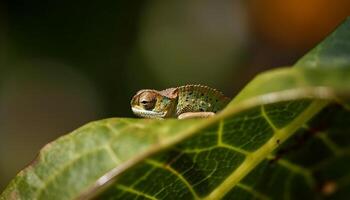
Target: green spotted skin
199, 98
172, 102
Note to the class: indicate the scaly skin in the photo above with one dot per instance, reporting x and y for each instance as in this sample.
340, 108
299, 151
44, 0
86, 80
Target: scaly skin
189, 101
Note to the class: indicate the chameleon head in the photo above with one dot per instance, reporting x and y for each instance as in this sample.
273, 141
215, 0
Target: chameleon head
151, 104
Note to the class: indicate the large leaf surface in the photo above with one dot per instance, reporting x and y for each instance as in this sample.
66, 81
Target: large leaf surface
284, 136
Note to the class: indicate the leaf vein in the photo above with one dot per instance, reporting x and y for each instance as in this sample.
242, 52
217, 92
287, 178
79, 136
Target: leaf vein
134, 191
173, 171
252, 191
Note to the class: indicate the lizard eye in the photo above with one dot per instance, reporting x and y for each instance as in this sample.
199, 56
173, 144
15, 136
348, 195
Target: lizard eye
144, 102
148, 105
147, 101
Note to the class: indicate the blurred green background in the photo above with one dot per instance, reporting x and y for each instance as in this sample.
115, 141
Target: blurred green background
65, 63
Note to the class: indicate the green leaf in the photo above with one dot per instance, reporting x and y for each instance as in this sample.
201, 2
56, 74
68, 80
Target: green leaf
284, 136
331, 53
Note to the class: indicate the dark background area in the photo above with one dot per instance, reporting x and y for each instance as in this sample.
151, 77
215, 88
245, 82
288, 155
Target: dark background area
65, 63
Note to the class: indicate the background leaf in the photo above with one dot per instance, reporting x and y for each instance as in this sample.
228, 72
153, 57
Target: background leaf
243, 152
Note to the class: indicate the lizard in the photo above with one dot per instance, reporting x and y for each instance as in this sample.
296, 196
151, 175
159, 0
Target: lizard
188, 101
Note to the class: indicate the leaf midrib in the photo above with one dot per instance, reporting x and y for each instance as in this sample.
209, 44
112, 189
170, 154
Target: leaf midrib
253, 159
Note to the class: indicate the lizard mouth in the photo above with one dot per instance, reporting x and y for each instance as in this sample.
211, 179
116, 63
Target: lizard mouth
148, 113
